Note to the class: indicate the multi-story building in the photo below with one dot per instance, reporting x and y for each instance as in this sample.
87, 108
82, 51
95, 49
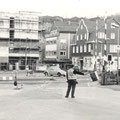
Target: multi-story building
58, 43
112, 41
83, 49
20, 37
94, 42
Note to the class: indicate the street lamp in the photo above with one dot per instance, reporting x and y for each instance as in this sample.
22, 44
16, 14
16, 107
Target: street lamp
118, 48
26, 50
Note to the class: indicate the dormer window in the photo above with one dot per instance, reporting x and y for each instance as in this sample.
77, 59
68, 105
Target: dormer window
112, 25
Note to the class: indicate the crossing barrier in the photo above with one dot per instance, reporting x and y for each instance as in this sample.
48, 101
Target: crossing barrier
6, 78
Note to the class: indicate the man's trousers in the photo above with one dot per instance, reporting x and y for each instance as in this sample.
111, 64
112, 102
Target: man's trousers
71, 85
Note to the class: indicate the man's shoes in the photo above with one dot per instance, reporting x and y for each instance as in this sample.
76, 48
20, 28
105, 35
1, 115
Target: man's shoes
66, 96
73, 97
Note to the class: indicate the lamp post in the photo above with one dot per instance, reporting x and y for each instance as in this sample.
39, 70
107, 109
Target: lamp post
26, 53
96, 45
118, 48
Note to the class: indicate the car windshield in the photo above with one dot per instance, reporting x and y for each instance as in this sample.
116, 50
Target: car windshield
56, 68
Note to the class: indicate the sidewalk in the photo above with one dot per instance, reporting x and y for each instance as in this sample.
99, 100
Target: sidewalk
10, 76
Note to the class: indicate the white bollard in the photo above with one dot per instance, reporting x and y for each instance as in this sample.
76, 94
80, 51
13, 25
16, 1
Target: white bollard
4, 78
10, 78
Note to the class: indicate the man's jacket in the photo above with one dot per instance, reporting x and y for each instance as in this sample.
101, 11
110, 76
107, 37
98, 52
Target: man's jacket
71, 74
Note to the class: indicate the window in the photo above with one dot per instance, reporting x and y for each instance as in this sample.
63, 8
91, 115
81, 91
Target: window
54, 42
1, 22
50, 53
89, 47
54, 52
113, 48
85, 36
81, 50
11, 22
51, 42
11, 34
62, 53
85, 48
63, 46
112, 25
101, 35
105, 47
77, 37
73, 49
81, 36
87, 62
112, 35
77, 49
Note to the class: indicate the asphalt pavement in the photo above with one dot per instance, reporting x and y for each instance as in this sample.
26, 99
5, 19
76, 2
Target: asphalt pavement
47, 101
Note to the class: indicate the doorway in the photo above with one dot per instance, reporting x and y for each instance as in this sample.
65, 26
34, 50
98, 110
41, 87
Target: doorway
81, 64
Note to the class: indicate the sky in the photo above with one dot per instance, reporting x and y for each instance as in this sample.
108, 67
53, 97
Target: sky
64, 8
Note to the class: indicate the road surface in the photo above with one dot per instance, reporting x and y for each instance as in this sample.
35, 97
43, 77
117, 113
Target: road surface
47, 102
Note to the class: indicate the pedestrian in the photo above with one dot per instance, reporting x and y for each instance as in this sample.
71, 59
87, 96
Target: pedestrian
15, 82
27, 70
72, 80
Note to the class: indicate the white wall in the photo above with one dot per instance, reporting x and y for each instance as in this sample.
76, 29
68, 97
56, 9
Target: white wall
4, 51
4, 33
24, 35
51, 47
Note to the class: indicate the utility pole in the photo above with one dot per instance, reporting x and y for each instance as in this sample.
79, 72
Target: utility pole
96, 42
26, 54
118, 57
105, 45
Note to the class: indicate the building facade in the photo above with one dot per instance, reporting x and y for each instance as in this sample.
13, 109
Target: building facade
58, 43
20, 39
94, 43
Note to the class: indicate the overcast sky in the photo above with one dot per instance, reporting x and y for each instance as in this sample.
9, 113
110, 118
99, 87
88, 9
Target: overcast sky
64, 8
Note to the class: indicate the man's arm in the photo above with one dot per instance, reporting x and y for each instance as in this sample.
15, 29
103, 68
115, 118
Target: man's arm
78, 72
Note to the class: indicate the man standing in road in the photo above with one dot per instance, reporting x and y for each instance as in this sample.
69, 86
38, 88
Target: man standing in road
72, 80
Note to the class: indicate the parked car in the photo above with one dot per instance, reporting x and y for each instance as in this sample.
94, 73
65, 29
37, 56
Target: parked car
56, 71
42, 68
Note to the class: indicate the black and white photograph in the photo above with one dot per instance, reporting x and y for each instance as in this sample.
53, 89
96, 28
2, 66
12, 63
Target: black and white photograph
60, 60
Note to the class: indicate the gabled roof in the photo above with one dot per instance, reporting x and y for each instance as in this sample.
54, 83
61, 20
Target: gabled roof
65, 26
91, 24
